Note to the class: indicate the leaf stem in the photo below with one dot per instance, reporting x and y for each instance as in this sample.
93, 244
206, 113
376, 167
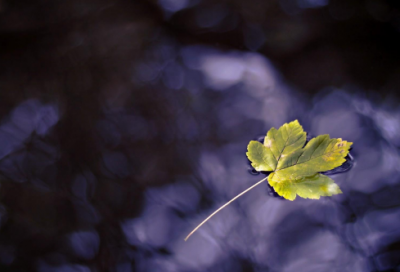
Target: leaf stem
223, 206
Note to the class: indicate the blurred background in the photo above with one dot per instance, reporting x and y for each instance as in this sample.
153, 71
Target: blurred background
123, 124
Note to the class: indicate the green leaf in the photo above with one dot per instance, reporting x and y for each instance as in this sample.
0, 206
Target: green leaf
295, 169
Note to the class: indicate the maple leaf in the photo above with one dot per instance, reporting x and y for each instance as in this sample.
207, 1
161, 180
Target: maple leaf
295, 170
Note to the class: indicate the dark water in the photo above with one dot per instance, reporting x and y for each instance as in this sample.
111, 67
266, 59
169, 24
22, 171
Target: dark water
125, 123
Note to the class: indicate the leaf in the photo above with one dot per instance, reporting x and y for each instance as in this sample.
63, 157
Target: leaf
295, 169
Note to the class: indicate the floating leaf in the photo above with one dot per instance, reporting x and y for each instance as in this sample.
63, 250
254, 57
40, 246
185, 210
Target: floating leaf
295, 169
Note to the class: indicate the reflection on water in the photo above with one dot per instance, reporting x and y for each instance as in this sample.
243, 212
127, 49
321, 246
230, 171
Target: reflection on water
241, 96
114, 166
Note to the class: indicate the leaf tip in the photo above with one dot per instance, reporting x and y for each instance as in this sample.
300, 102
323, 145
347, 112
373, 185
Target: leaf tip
350, 143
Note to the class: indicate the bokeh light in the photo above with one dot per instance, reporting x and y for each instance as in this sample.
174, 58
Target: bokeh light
123, 125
